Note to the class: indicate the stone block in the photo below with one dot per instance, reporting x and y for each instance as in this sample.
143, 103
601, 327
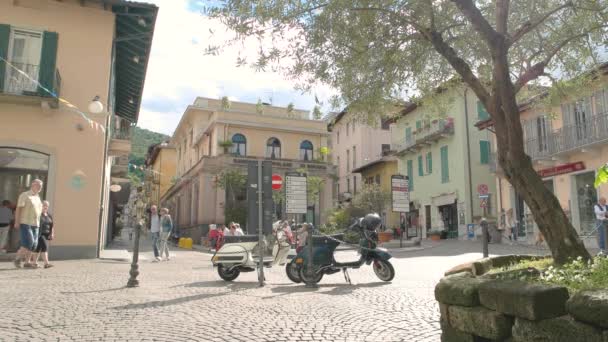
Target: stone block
507, 260
443, 313
560, 329
461, 291
482, 266
463, 268
606, 336
480, 321
590, 307
449, 334
530, 301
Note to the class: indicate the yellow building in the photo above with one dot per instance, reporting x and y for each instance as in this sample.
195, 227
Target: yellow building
380, 172
567, 145
161, 160
212, 138
76, 50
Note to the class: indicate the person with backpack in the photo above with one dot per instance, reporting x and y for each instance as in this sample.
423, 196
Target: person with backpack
601, 215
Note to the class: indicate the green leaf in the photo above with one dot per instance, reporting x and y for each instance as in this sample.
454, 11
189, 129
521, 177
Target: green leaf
602, 176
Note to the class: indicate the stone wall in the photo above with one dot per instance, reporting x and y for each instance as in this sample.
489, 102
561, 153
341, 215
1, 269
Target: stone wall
482, 309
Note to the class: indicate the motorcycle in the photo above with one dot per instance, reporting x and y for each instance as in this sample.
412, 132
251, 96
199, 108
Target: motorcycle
237, 255
324, 247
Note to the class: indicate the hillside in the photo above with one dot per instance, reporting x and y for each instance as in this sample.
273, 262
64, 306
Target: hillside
140, 140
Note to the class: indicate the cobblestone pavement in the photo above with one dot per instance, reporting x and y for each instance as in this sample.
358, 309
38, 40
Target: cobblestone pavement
184, 300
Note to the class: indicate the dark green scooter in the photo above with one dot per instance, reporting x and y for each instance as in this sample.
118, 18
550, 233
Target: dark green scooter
325, 246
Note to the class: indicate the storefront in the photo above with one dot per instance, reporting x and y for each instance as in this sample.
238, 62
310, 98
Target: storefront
583, 197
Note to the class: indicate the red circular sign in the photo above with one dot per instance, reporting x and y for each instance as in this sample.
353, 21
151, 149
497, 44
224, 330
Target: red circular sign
277, 182
482, 189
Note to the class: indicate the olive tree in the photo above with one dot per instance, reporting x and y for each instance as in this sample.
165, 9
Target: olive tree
377, 51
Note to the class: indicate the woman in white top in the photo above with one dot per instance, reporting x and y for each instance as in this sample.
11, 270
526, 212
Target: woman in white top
601, 216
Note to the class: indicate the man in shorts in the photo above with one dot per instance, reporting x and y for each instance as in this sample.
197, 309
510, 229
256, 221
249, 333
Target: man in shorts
27, 220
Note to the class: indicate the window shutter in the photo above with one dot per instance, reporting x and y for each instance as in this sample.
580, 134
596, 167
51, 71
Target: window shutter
418, 124
429, 163
420, 166
5, 33
408, 134
482, 114
445, 170
48, 61
484, 151
410, 174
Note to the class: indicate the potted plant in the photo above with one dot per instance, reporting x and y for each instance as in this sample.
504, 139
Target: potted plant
226, 145
435, 235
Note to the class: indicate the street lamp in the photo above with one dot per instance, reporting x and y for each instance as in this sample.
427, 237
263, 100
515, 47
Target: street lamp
95, 106
140, 206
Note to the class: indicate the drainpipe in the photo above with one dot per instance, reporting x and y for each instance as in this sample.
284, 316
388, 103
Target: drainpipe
466, 117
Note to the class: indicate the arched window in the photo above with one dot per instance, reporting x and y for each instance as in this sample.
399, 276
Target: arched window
239, 145
306, 150
273, 148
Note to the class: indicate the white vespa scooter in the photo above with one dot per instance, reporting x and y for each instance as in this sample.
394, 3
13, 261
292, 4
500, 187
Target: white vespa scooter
237, 254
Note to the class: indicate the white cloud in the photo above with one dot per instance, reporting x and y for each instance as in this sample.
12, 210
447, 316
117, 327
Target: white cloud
178, 70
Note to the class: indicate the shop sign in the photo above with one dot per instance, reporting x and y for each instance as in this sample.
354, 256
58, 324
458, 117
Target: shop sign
561, 169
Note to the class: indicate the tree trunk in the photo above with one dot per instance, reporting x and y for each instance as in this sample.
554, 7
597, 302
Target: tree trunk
553, 223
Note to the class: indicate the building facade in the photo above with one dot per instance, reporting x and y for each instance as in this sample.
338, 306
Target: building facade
354, 144
56, 56
213, 138
445, 157
161, 163
567, 145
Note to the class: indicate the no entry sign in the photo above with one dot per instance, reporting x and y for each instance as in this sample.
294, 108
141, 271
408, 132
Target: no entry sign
277, 182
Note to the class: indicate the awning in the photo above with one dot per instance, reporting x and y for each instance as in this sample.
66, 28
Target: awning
444, 199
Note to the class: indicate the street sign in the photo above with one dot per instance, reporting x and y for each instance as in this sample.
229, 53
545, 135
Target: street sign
400, 193
253, 212
277, 182
483, 202
484, 196
482, 189
296, 194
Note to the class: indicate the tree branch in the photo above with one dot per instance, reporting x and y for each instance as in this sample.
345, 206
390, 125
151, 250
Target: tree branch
468, 8
459, 64
533, 23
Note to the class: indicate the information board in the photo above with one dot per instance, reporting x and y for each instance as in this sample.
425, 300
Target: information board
400, 193
296, 193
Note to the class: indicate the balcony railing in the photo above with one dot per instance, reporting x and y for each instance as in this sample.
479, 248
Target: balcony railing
123, 131
426, 135
24, 82
569, 138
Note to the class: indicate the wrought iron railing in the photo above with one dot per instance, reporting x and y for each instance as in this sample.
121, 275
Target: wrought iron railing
121, 130
425, 135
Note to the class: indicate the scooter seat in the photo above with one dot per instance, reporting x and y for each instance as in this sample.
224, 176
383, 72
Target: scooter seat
324, 240
242, 238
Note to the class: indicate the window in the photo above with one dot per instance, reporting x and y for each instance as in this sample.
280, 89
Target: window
347, 160
306, 150
239, 145
418, 125
338, 164
273, 148
370, 180
355, 185
408, 134
24, 53
445, 169
542, 128
410, 174
353, 126
347, 127
385, 149
484, 151
338, 136
482, 114
347, 184
354, 157
385, 124
420, 166
378, 179
429, 163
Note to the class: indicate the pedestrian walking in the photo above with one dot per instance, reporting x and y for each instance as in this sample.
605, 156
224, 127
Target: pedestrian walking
155, 231
216, 236
6, 218
47, 233
302, 237
166, 227
233, 231
601, 216
27, 219
239, 230
511, 224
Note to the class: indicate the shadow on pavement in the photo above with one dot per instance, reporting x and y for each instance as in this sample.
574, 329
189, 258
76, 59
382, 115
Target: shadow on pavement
337, 289
95, 291
459, 247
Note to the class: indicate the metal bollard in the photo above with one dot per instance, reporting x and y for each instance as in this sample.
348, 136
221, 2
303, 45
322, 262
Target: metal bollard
310, 266
485, 236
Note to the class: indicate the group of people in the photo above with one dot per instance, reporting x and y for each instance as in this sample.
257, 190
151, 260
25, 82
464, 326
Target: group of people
161, 226
35, 224
217, 232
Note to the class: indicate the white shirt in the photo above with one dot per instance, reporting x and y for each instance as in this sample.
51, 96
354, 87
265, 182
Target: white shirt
6, 215
601, 213
155, 224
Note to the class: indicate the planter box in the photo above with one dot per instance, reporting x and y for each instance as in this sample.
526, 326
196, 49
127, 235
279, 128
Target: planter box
384, 237
436, 237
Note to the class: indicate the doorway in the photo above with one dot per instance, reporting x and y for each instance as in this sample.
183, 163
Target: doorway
427, 217
585, 197
449, 216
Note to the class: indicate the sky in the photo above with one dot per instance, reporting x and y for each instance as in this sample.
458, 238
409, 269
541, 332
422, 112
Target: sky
179, 70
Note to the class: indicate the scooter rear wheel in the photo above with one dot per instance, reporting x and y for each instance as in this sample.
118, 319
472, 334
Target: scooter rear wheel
292, 272
310, 279
227, 274
384, 270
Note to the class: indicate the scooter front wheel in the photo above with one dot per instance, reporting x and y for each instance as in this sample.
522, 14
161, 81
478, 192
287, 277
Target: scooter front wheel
307, 278
292, 272
226, 273
384, 270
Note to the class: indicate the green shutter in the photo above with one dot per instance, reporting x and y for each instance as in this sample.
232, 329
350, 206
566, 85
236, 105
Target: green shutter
484, 151
410, 174
48, 61
418, 124
445, 169
429, 163
482, 114
420, 166
5, 34
408, 134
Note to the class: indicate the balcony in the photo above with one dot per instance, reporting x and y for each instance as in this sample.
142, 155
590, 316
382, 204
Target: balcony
21, 86
120, 168
425, 136
569, 139
120, 143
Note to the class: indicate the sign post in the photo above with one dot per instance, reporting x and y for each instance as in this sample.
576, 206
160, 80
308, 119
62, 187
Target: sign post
260, 204
296, 193
400, 196
482, 190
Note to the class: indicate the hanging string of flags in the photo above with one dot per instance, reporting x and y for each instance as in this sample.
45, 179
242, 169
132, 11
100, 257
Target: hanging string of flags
93, 124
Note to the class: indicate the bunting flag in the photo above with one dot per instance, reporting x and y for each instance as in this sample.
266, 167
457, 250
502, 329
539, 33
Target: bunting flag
93, 124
